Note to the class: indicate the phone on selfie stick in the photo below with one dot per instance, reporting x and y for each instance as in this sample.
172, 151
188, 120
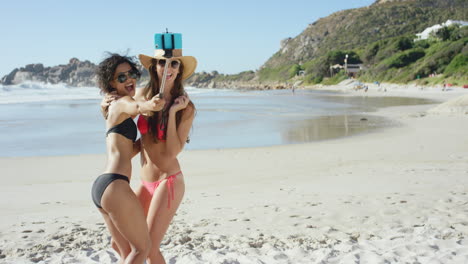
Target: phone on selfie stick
167, 42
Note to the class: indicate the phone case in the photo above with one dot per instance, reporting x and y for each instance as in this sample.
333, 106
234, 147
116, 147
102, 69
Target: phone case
168, 41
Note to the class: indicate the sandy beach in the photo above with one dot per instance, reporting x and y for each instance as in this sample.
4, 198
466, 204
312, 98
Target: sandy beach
397, 195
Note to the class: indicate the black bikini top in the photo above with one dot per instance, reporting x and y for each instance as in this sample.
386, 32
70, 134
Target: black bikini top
127, 129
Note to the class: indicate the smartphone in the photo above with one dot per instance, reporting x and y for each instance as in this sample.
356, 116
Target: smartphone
168, 41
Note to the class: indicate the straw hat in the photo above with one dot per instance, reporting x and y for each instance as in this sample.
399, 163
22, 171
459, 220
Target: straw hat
189, 62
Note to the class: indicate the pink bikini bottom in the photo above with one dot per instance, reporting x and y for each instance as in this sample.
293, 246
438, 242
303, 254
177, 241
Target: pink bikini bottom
151, 186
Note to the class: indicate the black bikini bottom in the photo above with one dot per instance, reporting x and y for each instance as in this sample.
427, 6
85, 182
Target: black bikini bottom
101, 183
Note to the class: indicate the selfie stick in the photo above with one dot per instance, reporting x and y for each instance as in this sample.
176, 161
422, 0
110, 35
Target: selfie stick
163, 81
168, 55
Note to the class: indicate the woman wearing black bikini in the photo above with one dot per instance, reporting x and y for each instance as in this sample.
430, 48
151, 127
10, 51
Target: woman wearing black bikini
111, 191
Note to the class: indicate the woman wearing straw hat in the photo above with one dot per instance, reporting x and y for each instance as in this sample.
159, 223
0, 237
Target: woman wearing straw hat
163, 136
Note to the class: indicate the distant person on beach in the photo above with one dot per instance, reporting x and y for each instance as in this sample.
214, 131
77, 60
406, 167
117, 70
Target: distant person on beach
111, 192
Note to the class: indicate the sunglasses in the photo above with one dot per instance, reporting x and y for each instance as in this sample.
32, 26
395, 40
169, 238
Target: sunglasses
124, 76
174, 63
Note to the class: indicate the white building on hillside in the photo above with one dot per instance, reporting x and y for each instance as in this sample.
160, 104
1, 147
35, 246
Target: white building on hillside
427, 32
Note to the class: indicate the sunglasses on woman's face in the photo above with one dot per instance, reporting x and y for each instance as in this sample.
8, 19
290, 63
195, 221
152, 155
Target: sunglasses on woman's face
124, 76
174, 63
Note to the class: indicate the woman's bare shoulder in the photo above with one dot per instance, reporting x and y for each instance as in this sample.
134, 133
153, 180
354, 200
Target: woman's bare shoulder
189, 112
118, 105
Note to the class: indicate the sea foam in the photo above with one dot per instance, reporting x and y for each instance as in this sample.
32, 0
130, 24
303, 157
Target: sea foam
41, 92
38, 92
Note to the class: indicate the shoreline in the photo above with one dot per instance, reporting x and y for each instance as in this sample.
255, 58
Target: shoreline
396, 195
437, 93
312, 123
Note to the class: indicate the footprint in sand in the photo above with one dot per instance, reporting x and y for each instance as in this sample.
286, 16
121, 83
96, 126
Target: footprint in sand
184, 239
105, 257
37, 259
202, 222
390, 212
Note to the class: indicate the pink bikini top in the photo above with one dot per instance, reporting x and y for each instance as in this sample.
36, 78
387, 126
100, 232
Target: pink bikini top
143, 126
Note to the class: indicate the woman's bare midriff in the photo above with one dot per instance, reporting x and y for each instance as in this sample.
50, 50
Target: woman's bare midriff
155, 165
119, 155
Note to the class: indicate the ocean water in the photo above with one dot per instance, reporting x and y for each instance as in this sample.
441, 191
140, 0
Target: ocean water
48, 120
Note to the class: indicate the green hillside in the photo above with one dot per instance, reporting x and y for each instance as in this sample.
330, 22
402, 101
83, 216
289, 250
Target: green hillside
381, 37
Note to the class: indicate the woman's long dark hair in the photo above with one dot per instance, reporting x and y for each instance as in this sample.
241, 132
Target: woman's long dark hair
152, 89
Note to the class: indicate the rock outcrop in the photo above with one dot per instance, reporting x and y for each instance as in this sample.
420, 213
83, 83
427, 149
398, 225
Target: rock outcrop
243, 81
377, 2
76, 73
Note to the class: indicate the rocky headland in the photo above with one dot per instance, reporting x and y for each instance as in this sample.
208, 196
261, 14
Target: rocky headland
75, 73
83, 73
243, 81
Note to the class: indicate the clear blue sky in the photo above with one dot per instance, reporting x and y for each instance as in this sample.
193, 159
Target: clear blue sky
228, 36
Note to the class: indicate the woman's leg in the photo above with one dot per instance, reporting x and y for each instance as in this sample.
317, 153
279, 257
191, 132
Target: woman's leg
125, 212
145, 199
116, 247
118, 242
159, 216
